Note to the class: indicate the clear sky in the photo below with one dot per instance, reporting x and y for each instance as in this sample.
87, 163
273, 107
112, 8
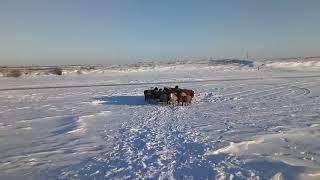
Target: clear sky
111, 31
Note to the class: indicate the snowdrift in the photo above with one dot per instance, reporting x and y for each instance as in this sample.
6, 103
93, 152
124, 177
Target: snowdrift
277, 147
307, 64
215, 65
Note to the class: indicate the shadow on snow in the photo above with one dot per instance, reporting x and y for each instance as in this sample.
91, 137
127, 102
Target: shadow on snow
122, 100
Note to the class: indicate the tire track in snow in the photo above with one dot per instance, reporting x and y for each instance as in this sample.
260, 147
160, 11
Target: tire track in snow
251, 92
278, 95
281, 94
276, 92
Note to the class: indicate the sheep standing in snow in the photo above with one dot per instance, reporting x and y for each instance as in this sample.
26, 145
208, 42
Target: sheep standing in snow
148, 95
173, 99
188, 92
188, 100
169, 95
163, 99
182, 97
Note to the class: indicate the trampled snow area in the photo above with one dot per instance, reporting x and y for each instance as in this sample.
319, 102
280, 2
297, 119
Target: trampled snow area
244, 123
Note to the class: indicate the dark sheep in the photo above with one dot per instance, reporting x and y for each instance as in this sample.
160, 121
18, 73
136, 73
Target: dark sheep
148, 95
163, 99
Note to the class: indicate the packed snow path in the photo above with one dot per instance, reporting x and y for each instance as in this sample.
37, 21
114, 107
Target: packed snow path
259, 128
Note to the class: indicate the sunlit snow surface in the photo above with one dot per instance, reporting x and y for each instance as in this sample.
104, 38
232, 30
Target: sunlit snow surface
263, 127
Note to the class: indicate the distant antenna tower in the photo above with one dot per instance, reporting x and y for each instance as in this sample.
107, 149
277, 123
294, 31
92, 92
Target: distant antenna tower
247, 55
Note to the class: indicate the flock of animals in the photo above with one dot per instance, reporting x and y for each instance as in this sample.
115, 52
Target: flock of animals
167, 95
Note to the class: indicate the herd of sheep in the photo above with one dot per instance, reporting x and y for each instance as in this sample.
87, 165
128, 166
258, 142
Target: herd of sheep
167, 95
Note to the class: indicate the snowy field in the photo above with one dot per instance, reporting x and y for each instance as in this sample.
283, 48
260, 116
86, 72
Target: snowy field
244, 123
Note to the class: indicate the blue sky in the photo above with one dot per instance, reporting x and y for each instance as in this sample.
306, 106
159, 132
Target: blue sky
117, 31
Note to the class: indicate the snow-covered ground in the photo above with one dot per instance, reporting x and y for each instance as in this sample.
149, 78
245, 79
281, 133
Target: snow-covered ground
244, 123
301, 64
